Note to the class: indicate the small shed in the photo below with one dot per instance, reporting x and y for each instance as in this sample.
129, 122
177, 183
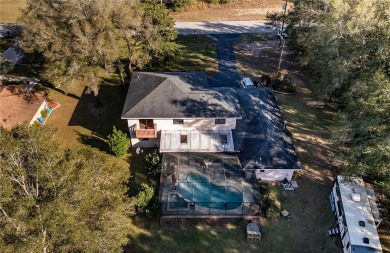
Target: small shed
253, 232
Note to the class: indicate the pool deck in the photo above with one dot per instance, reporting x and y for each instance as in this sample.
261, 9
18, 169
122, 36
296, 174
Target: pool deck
218, 169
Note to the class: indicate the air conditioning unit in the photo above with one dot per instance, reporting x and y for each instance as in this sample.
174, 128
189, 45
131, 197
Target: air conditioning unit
355, 197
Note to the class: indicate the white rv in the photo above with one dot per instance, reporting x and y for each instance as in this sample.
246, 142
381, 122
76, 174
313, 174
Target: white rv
357, 215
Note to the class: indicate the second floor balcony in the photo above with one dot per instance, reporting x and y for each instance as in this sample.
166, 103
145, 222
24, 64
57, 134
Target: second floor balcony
150, 132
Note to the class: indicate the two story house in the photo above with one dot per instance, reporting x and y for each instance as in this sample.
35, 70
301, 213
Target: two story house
217, 143
175, 113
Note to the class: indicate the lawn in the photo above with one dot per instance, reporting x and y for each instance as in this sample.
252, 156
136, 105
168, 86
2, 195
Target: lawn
80, 120
197, 53
10, 10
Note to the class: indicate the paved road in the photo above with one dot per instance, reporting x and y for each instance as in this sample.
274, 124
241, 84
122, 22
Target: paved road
227, 69
224, 27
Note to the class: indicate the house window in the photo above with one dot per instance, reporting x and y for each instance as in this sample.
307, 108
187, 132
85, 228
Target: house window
220, 121
224, 139
178, 121
183, 138
146, 124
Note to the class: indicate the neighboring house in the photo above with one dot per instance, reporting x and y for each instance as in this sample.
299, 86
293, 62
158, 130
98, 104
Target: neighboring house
19, 105
357, 215
264, 142
173, 112
13, 55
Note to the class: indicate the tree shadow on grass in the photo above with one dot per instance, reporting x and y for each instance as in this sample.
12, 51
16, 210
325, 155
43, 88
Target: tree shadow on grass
138, 172
100, 114
93, 140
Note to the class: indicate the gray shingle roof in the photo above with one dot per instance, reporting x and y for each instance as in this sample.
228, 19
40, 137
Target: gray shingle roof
260, 136
177, 95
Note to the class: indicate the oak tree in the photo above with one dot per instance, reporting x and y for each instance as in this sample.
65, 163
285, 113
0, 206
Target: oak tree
59, 200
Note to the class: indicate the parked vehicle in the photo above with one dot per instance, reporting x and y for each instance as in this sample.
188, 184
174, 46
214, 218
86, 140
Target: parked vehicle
357, 215
246, 82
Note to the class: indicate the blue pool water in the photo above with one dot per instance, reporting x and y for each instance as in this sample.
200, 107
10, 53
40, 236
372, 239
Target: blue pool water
197, 188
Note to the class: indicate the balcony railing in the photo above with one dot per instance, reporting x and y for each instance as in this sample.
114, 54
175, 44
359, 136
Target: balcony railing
146, 133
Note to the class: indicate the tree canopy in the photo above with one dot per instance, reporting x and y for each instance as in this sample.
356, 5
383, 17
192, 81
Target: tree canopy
345, 45
341, 40
59, 200
79, 38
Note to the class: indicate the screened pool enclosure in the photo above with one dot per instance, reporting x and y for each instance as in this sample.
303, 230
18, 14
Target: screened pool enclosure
206, 184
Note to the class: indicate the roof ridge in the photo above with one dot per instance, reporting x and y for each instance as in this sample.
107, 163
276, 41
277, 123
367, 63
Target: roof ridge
165, 78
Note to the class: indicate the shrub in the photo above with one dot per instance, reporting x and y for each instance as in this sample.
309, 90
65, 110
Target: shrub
144, 197
265, 80
153, 163
118, 142
44, 113
270, 208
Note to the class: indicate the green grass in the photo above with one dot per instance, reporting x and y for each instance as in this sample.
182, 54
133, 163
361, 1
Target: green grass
190, 238
10, 10
197, 53
80, 121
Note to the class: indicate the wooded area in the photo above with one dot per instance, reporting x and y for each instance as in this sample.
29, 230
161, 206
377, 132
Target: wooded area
79, 39
56, 200
345, 45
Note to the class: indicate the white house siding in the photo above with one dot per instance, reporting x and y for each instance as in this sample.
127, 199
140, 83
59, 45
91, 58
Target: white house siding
274, 175
189, 124
195, 124
38, 113
197, 141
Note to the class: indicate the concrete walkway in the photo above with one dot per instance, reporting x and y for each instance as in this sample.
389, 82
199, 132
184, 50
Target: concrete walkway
224, 27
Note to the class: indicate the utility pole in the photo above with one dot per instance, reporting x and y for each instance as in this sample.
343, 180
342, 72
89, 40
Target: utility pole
281, 55
284, 16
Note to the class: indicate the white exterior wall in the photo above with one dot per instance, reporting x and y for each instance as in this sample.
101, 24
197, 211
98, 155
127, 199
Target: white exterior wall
189, 124
275, 175
195, 124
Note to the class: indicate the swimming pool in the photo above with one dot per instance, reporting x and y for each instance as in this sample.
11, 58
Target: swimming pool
196, 188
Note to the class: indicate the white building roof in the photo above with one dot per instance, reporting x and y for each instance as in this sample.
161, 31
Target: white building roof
196, 141
363, 210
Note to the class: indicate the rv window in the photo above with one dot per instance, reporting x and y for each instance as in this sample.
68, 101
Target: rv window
348, 244
178, 121
183, 138
224, 139
220, 121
